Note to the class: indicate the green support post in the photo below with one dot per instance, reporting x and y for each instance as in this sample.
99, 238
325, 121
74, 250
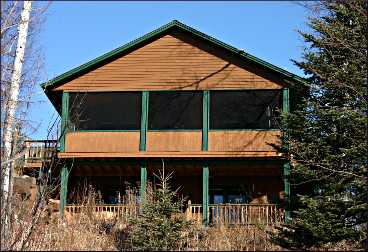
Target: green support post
64, 119
142, 143
287, 191
144, 121
286, 167
63, 188
205, 183
143, 182
205, 119
205, 200
285, 98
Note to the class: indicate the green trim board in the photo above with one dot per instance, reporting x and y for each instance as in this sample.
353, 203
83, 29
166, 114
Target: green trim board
64, 119
144, 121
151, 36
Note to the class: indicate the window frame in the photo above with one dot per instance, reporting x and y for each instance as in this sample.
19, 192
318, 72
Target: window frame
243, 90
105, 130
174, 130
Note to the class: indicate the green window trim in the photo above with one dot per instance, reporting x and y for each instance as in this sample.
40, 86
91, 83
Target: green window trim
144, 121
206, 119
64, 120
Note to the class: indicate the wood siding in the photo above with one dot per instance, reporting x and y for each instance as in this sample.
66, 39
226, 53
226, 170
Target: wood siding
243, 140
174, 141
172, 144
173, 62
102, 142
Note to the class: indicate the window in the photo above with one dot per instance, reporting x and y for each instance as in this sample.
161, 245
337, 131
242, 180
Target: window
248, 109
105, 110
175, 110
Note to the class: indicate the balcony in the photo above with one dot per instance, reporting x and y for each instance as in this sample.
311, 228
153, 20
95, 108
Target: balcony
37, 153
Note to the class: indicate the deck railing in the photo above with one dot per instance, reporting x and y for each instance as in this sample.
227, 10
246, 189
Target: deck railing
38, 151
238, 214
226, 214
105, 211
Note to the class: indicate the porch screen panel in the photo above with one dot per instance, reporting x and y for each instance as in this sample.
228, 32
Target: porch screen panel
175, 110
248, 109
105, 110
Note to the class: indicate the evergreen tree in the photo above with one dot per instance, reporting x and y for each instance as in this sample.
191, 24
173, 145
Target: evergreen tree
328, 132
160, 225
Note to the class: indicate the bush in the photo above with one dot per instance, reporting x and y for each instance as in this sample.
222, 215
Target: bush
160, 225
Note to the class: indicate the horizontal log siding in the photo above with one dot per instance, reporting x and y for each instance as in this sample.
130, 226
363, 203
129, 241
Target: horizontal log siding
173, 62
174, 141
243, 140
102, 142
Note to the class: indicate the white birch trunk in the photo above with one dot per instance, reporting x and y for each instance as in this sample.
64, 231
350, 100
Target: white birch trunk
13, 99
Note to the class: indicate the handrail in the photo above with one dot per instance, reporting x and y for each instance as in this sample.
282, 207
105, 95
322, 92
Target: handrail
39, 150
225, 214
105, 211
239, 214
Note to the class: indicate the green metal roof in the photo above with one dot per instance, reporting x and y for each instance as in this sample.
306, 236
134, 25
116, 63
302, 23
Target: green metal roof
114, 54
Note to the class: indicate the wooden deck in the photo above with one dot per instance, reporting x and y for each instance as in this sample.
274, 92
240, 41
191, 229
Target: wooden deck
38, 152
219, 214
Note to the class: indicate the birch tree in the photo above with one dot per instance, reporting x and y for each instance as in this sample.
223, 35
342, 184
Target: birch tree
21, 64
14, 93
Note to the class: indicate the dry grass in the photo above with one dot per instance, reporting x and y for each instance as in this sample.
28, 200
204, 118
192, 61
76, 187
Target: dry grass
86, 232
70, 237
237, 238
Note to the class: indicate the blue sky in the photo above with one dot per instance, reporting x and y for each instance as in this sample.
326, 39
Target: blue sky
76, 32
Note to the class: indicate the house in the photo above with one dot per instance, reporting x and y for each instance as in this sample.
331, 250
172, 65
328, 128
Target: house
179, 98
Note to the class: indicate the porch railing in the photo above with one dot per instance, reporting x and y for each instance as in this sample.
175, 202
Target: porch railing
226, 214
104, 211
238, 214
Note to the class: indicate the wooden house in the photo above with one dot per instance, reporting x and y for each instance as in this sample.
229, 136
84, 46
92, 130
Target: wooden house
179, 98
